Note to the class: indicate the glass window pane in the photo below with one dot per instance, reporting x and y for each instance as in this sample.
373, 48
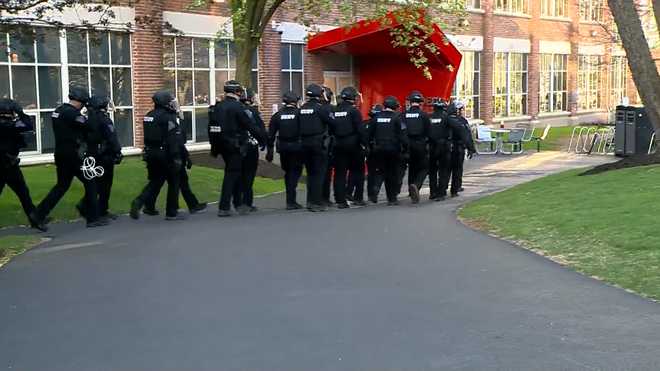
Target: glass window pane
4, 57
50, 87
120, 43
169, 79
201, 125
47, 136
185, 91
285, 82
297, 56
48, 45
99, 48
25, 89
4, 82
22, 46
297, 83
202, 87
183, 52
201, 53
285, 57
220, 79
121, 86
221, 54
76, 46
78, 77
232, 55
100, 81
255, 81
168, 51
186, 124
31, 137
124, 126
255, 60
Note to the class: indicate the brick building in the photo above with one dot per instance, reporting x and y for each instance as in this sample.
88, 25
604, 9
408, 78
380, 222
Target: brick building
523, 61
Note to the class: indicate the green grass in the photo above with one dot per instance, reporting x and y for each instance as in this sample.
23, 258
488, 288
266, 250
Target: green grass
130, 178
557, 140
11, 246
602, 225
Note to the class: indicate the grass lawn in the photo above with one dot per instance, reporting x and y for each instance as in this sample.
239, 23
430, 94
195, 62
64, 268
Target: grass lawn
11, 246
602, 225
557, 139
129, 179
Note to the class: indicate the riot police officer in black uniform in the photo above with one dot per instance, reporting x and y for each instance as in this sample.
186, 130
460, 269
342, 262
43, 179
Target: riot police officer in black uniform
70, 128
251, 159
389, 140
350, 140
163, 154
229, 125
440, 138
103, 145
462, 141
315, 119
374, 182
13, 124
284, 133
326, 101
418, 126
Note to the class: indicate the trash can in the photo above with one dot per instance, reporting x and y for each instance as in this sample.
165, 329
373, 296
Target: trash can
633, 131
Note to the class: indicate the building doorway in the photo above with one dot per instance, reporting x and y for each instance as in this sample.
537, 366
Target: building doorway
337, 80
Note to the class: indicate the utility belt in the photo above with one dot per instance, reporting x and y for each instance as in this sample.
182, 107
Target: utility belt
7, 160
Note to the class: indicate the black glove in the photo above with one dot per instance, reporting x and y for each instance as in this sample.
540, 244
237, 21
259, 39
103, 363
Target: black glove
188, 163
118, 158
471, 154
269, 155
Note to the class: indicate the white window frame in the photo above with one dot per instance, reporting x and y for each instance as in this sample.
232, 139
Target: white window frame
508, 94
618, 79
554, 8
591, 10
290, 70
474, 74
587, 89
553, 71
512, 6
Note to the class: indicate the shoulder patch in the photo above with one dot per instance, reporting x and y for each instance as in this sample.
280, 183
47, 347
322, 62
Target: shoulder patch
215, 129
81, 119
55, 115
148, 119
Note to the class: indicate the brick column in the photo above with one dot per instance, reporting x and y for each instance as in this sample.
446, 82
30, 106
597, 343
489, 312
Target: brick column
533, 68
147, 62
573, 11
487, 56
270, 72
313, 68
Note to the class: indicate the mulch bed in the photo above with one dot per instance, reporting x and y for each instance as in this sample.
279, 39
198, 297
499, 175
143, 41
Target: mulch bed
625, 163
265, 169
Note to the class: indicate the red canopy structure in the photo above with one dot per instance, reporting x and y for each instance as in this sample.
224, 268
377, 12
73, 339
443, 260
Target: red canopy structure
385, 70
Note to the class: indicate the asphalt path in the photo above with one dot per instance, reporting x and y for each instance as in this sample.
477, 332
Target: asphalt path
376, 288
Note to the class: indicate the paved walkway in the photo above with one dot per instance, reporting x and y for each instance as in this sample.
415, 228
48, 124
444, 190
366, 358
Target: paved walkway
377, 288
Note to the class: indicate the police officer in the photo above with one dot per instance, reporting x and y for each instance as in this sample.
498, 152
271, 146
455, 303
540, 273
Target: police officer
251, 159
284, 134
350, 140
163, 154
70, 128
462, 141
13, 124
315, 119
389, 140
327, 102
418, 125
103, 145
374, 181
229, 125
440, 137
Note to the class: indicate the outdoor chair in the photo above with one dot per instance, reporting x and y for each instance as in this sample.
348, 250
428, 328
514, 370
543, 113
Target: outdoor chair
541, 138
528, 133
515, 140
485, 137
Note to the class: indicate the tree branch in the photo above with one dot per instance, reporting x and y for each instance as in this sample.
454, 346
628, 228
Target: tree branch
269, 14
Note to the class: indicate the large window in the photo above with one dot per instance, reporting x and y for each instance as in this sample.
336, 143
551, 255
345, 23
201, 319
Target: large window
33, 74
618, 80
292, 68
553, 93
589, 83
197, 69
472, 4
510, 84
554, 8
591, 10
466, 87
511, 6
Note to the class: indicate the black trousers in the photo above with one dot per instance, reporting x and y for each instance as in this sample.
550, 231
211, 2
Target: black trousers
291, 163
161, 170
345, 161
104, 185
245, 192
184, 186
327, 177
231, 184
457, 160
374, 180
68, 167
388, 168
13, 177
439, 169
418, 165
315, 159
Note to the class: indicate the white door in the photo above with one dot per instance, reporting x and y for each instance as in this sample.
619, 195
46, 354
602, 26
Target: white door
337, 81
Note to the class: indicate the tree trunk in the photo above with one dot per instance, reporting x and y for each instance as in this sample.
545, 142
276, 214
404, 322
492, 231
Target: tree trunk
643, 68
245, 49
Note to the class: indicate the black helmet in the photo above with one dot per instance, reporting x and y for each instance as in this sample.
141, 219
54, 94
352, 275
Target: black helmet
233, 87
415, 97
247, 96
327, 94
440, 105
78, 94
349, 93
314, 91
98, 102
455, 106
7, 107
391, 102
376, 109
290, 97
163, 99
